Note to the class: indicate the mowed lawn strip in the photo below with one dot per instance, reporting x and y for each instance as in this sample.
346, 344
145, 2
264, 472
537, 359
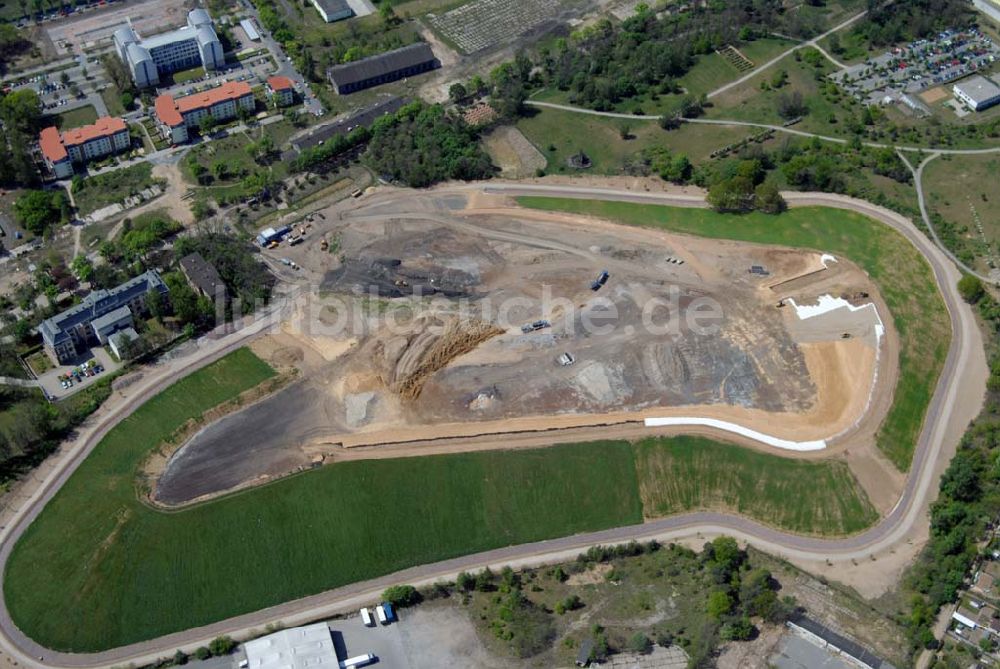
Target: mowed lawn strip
123, 572
693, 473
903, 276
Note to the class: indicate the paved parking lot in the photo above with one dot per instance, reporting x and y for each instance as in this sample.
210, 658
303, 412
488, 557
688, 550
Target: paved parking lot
49, 381
796, 652
351, 638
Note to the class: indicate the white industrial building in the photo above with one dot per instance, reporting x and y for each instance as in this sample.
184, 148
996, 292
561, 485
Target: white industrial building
977, 92
309, 647
192, 45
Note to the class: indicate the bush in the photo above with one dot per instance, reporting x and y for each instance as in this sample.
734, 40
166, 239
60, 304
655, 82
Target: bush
971, 288
402, 596
203, 653
222, 645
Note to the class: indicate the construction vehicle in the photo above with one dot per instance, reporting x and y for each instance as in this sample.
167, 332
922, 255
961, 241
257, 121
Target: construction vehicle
601, 279
566, 359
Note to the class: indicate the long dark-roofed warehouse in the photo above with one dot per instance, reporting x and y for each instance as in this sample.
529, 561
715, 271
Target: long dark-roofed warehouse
383, 68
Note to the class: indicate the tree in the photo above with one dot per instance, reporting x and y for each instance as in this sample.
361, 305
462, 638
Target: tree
207, 124
767, 198
82, 267
127, 99
37, 210
625, 130
719, 604
402, 595
465, 582
670, 122
792, 105
971, 288
457, 92
154, 302
220, 169
180, 658
640, 643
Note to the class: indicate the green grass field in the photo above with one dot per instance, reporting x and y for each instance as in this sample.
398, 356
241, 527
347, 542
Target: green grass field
74, 118
600, 138
712, 70
104, 189
960, 189
691, 473
127, 572
903, 276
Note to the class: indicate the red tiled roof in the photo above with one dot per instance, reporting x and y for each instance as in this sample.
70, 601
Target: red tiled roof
54, 145
166, 111
170, 111
106, 126
279, 83
51, 145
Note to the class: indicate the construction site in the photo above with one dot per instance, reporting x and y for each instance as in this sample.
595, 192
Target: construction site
454, 320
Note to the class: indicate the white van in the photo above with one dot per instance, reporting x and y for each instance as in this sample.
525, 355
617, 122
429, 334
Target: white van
366, 617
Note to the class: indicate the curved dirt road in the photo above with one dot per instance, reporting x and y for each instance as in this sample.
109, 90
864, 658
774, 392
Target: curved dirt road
947, 415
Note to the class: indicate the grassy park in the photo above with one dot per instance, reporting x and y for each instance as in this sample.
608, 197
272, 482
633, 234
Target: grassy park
100, 190
902, 274
325, 528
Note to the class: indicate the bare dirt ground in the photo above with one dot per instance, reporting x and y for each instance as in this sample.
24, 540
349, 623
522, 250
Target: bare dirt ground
410, 366
511, 150
147, 18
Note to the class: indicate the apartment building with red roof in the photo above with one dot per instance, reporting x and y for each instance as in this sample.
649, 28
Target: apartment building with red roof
176, 116
281, 89
60, 150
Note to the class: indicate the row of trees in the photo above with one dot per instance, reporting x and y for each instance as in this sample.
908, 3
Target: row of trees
969, 498
889, 22
21, 117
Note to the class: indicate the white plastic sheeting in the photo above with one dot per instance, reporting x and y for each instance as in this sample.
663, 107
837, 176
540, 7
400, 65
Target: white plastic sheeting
726, 426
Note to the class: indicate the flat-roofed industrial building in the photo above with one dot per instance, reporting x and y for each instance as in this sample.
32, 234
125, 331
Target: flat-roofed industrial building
977, 92
383, 68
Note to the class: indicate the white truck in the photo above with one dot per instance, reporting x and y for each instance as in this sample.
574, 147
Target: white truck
357, 661
382, 618
366, 617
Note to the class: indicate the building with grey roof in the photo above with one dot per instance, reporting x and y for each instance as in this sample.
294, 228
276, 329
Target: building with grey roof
333, 10
189, 46
383, 68
203, 276
89, 323
977, 92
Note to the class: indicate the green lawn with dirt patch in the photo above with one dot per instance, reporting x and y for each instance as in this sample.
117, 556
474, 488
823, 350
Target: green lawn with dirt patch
902, 274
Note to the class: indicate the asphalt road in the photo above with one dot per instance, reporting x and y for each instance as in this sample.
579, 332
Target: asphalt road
947, 415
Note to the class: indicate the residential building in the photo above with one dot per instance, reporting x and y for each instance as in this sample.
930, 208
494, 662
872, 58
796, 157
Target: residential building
383, 68
977, 92
333, 10
106, 136
203, 276
221, 103
189, 46
281, 89
97, 317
